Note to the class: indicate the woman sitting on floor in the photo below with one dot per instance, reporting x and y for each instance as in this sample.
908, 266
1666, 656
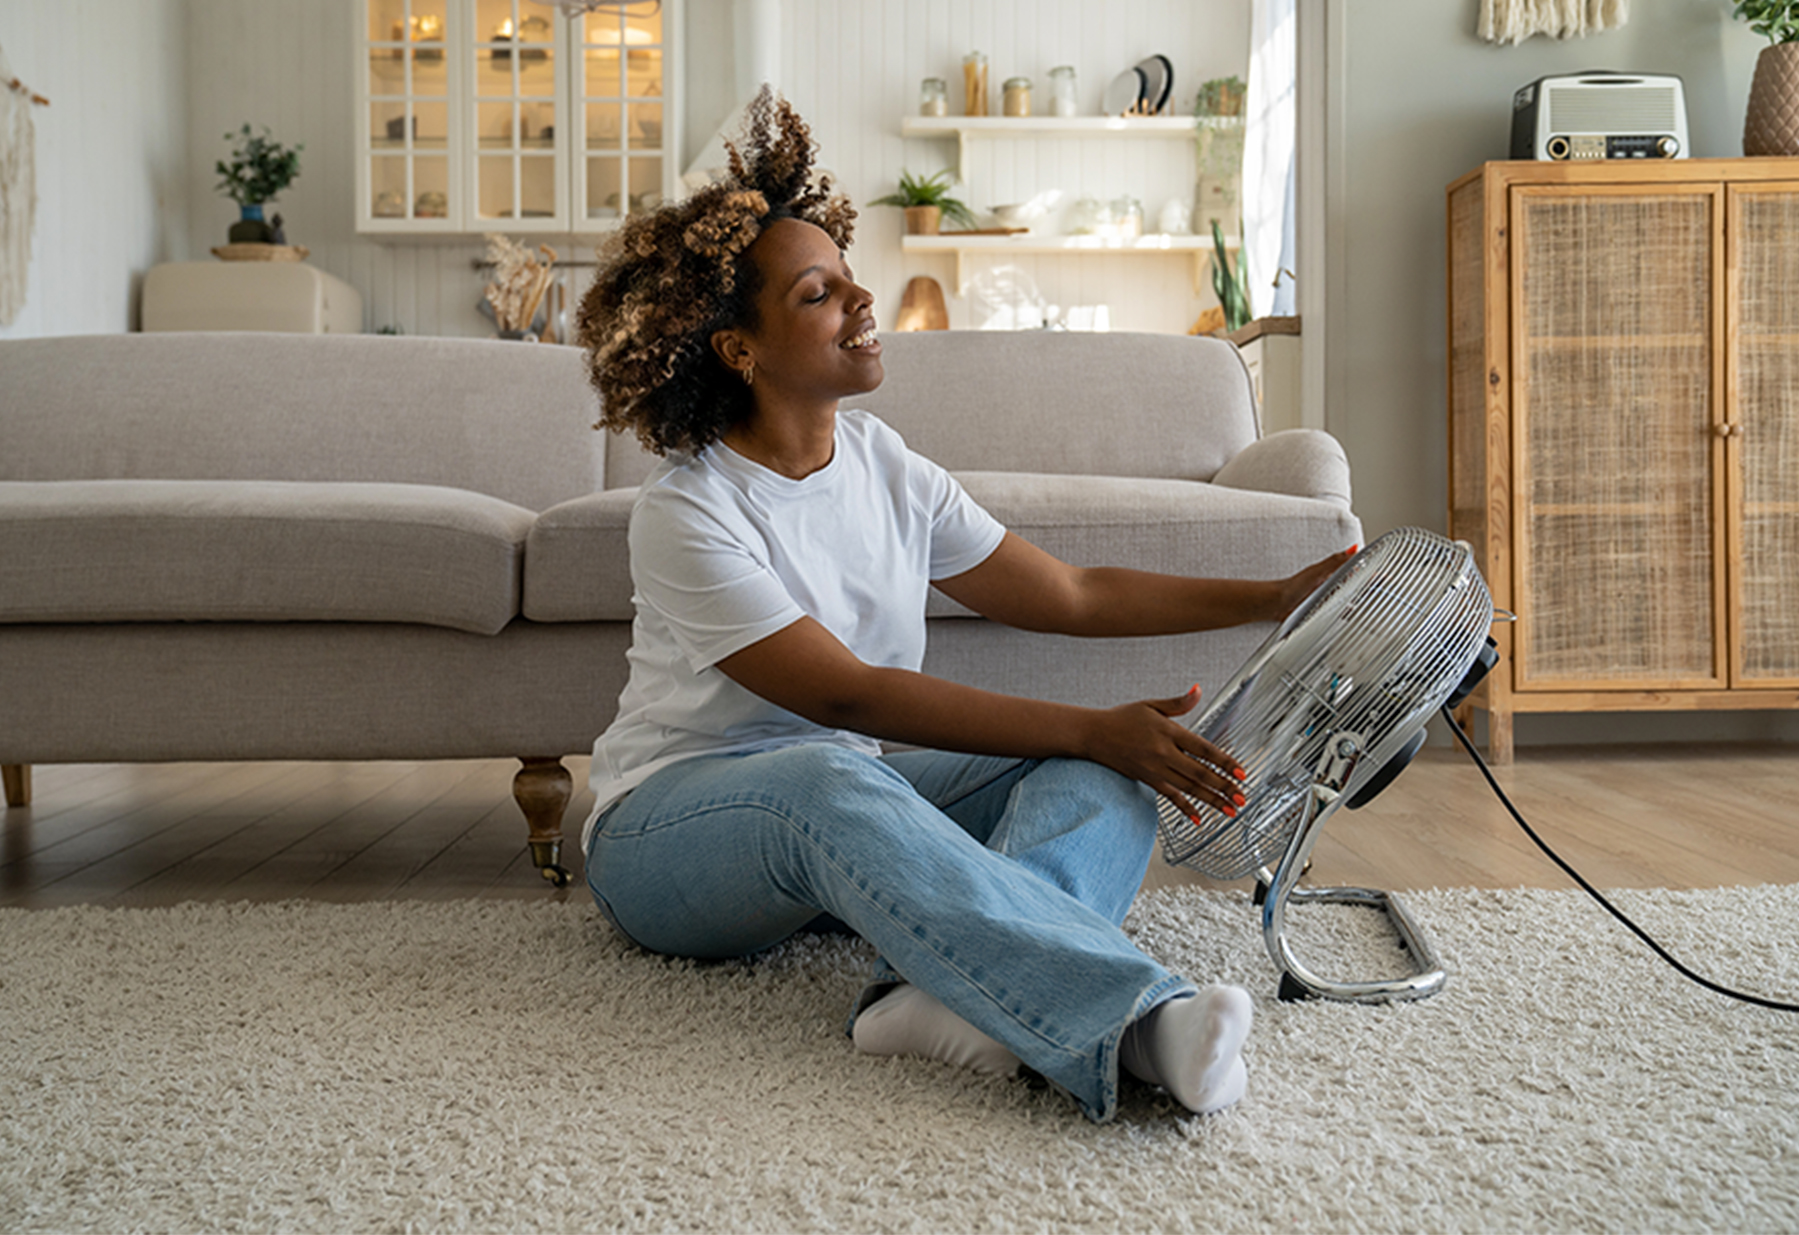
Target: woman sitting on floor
781, 554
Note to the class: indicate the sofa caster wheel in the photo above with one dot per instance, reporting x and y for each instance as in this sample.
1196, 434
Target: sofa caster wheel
557, 875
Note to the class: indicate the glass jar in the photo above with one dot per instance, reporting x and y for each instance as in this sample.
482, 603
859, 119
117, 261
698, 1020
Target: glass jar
1083, 217
1061, 91
974, 84
933, 97
1127, 217
1016, 97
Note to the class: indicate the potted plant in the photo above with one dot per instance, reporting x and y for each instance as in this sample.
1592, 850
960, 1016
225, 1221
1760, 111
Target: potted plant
259, 168
1771, 124
927, 203
1231, 286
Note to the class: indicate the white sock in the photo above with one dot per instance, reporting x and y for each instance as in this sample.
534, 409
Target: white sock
909, 1021
1192, 1047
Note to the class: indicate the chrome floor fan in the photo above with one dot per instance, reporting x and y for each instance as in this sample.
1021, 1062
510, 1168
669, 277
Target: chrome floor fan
1325, 714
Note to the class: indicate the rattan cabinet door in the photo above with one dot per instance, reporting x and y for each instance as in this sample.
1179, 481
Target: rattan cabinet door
1618, 514
1763, 433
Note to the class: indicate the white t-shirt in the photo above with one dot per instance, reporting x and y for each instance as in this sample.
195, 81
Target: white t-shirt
725, 552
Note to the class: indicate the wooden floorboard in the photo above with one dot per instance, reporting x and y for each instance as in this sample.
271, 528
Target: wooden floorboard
160, 834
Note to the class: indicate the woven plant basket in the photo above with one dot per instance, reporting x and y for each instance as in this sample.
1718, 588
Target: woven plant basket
1771, 125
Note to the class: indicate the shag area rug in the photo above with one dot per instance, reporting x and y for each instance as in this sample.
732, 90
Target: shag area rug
500, 1066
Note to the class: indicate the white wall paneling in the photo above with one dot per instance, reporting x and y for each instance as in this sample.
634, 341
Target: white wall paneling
111, 155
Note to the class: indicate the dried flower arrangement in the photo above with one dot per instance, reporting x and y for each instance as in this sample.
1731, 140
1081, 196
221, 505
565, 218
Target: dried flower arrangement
519, 281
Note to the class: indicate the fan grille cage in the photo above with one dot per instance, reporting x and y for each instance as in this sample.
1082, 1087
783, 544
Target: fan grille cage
1374, 652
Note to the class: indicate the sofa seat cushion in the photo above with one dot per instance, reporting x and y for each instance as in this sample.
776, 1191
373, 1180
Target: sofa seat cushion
578, 563
226, 550
1180, 527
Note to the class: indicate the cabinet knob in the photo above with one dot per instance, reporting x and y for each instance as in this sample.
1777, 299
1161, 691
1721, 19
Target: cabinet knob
1728, 430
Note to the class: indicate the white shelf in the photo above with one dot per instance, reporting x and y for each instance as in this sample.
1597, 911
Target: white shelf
1199, 247
969, 128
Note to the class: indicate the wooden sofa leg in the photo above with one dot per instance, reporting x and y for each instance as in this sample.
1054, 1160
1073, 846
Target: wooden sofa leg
542, 788
18, 783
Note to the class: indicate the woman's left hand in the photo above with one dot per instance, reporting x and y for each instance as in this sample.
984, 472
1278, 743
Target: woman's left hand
1295, 588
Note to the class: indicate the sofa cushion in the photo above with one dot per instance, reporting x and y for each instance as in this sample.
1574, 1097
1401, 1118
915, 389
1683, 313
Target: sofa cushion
578, 560
1052, 401
506, 419
195, 550
1182, 527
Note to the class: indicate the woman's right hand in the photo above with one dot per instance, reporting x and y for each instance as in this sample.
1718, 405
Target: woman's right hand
1145, 742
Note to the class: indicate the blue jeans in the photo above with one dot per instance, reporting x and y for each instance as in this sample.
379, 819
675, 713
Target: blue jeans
996, 884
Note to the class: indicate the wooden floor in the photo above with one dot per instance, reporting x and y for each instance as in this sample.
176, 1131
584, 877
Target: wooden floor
160, 834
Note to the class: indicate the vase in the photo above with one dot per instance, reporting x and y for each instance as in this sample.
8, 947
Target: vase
250, 229
1771, 124
923, 220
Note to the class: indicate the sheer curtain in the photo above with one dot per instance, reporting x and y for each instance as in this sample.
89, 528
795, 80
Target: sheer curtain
1270, 132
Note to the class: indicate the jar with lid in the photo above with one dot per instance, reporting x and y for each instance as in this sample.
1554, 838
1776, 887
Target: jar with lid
1061, 91
1017, 96
1084, 217
1127, 217
933, 97
974, 84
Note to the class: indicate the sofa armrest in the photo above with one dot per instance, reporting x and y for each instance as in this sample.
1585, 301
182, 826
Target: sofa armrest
1297, 462
578, 560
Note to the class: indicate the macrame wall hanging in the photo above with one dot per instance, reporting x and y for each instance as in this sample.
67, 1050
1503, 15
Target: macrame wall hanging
1513, 21
18, 189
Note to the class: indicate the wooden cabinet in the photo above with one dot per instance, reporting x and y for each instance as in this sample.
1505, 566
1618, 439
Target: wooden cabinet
507, 115
1624, 430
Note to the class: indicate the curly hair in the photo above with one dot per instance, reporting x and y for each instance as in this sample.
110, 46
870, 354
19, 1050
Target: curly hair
672, 277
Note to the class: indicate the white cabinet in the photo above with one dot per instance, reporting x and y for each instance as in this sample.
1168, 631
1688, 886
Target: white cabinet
508, 115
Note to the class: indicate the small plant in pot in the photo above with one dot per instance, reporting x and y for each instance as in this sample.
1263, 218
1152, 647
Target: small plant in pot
259, 168
927, 203
1771, 123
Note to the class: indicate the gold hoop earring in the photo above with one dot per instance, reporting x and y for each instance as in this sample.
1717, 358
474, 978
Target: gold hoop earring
749, 373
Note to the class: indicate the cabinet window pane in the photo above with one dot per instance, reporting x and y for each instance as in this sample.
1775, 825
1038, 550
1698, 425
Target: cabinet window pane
603, 188
646, 184
387, 20
536, 73
431, 188
428, 72
496, 20
387, 187
645, 71
537, 186
603, 126
537, 125
495, 200
387, 125
431, 125
387, 71
644, 27
646, 126
603, 68
495, 123
493, 73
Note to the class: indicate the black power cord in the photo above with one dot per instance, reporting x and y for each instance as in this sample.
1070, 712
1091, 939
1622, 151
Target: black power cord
1590, 890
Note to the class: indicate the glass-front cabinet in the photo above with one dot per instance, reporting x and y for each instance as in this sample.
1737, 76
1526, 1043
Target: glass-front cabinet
512, 115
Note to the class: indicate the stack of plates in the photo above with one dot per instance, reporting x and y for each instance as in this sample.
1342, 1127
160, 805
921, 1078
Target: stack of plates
1141, 90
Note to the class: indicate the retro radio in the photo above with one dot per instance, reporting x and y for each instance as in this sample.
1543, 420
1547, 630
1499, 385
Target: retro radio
1600, 115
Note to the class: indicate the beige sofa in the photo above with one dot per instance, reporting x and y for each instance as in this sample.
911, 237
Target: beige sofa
255, 546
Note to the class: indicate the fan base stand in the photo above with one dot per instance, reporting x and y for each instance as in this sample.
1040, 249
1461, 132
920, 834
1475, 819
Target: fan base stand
1276, 889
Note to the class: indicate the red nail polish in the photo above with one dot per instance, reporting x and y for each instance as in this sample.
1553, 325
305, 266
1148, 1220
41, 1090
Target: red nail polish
1239, 799
1239, 773
1229, 812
